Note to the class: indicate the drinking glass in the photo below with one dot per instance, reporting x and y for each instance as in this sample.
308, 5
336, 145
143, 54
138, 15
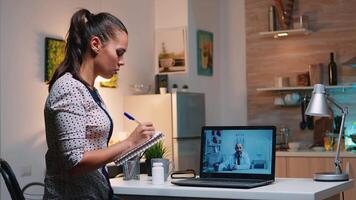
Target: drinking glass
131, 170
328, 143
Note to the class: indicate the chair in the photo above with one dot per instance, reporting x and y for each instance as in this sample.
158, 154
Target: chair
11, 182
33, 194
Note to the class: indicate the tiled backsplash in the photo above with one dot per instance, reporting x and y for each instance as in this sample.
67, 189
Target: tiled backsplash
346, 98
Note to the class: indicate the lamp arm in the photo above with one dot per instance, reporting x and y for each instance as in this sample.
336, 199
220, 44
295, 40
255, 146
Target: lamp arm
344, 112
343, 109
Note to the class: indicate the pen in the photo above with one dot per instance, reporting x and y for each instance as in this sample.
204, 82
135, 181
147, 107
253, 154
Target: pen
131, 117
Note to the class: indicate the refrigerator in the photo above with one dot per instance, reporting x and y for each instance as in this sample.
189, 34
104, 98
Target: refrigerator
180, 116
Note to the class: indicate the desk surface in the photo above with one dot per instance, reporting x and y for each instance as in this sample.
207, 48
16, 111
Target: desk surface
282, 188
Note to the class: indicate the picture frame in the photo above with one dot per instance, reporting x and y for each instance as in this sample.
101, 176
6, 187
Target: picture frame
171, 50
54, 55
205, 53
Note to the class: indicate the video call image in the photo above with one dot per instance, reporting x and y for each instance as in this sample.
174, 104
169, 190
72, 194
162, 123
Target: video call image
238, 151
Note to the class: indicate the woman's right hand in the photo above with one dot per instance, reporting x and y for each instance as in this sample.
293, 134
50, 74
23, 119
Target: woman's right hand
142, 132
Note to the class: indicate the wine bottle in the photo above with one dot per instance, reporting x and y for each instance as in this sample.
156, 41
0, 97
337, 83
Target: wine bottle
272, 22
332, 70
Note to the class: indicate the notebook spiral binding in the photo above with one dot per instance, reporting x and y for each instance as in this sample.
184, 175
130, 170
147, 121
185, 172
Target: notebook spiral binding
140, 149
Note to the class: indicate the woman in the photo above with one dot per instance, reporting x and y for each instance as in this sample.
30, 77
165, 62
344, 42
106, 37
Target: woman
78, 126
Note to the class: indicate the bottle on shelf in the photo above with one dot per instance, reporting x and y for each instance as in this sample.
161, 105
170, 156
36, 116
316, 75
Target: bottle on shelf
332, 70
272, 19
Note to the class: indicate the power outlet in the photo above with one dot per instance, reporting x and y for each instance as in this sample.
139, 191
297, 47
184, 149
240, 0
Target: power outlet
26, 171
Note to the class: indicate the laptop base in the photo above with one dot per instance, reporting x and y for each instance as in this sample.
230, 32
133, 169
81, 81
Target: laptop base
203, 182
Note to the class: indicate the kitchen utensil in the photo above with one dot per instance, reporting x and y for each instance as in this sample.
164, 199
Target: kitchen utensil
303, 123
310, 119
294, 146
278, 101
292, 99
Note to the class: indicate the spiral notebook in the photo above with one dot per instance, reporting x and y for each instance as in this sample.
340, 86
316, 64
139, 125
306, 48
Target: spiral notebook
140, 149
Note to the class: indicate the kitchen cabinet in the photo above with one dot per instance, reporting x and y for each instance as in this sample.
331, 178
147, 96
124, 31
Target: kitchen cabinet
299, 166
350, 194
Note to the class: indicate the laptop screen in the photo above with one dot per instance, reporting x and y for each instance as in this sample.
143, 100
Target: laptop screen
238, 151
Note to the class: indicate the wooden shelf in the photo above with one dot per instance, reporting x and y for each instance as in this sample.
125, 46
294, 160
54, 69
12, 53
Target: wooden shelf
275, 89
285, 33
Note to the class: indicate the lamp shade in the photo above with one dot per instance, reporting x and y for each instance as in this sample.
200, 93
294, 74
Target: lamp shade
318, 105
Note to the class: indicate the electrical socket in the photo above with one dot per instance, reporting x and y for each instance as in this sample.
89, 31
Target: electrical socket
26, 171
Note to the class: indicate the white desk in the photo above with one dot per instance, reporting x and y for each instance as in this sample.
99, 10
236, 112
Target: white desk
281, 189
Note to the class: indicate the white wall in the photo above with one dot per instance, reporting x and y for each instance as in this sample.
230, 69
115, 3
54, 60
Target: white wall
225, 91
233, 63
24, 24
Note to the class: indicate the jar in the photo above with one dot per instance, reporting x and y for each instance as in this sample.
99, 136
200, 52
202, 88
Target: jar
342, 144
284, 134
157, 173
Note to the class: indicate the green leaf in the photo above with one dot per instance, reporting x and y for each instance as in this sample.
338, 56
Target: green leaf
156, 151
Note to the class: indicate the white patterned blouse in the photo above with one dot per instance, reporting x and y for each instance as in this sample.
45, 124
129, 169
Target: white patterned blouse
76, 121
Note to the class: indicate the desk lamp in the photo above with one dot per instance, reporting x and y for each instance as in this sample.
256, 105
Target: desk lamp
318, 106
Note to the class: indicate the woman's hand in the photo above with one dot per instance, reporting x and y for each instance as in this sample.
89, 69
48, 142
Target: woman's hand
142, 132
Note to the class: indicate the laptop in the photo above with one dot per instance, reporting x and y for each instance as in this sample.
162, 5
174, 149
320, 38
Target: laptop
235, 157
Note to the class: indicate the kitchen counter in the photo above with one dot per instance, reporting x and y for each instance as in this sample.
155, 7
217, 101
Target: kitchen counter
315, 154
282, 188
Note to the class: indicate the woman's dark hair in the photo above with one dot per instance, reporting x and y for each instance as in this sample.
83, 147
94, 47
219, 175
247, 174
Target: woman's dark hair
83, 26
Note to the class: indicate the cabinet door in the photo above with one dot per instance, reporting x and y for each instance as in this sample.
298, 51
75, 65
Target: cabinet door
321, 164
298, 167
305, 167
351, 193
281, 167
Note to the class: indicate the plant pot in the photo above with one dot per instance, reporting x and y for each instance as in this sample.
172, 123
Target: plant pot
148, 167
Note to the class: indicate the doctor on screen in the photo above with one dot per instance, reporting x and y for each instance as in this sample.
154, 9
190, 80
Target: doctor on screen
238, 160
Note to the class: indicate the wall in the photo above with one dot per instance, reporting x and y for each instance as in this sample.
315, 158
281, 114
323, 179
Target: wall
233, 63
333, 23
225, 91
23, 25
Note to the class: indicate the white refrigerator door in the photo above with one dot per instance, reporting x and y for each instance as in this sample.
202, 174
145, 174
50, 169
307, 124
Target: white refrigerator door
188, 114
188, 156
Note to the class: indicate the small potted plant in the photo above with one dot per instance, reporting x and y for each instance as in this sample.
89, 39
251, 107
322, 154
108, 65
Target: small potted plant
185, 88
174, 88
156, 151
162, 87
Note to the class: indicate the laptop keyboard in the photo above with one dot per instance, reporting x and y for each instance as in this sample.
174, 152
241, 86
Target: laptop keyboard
229, 180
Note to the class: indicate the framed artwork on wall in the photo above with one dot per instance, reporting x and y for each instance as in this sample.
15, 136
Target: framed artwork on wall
54, 55
205, 54
171, 53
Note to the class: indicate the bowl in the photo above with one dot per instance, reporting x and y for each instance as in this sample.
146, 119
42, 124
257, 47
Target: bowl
318, 149
140, 88
294, 146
